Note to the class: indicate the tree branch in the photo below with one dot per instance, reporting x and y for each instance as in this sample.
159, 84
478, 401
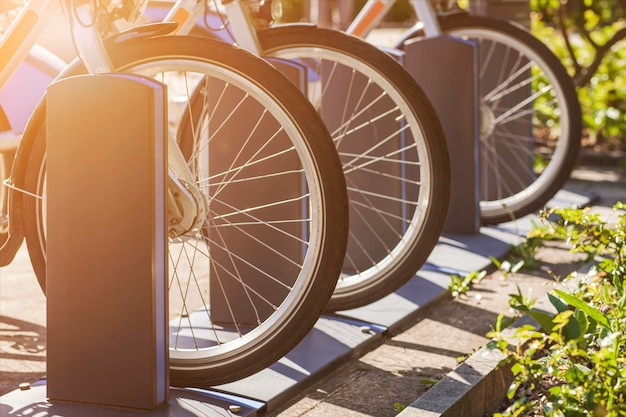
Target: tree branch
583, 77
568, 45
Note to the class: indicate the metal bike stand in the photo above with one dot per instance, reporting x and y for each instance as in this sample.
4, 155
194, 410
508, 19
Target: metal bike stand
107, 330
514, 10
445, 68
106, 251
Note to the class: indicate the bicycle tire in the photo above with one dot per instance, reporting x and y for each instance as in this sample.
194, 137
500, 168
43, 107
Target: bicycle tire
520, 172
6, 159
302, 278
393, 150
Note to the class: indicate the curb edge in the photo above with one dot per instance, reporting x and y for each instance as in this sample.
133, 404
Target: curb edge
474, 388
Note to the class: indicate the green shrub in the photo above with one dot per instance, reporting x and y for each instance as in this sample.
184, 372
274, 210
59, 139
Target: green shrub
575, 365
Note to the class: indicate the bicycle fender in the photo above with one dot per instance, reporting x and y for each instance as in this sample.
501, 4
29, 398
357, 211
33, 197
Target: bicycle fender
144, 31
14, 241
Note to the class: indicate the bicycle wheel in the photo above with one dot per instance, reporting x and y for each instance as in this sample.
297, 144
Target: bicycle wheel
251, 276
393, 151
530, 117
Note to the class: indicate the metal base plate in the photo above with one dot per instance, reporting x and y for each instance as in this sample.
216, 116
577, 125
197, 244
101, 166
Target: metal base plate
183, 403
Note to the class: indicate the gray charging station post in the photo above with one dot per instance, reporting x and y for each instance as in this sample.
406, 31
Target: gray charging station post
445, 68
106, 250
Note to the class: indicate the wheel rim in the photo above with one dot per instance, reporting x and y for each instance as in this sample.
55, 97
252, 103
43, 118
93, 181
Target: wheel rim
535, 158
393, 219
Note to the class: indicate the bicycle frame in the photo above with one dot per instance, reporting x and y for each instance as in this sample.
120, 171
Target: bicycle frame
30, 23
33, 18
15, 45
373, 12
24, 31
187, 12
35, 15
22, 35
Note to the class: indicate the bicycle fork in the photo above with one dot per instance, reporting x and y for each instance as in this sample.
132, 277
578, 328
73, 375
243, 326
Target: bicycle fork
185, 203
373, 11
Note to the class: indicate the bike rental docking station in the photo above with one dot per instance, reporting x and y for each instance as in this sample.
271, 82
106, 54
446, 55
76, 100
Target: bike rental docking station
107, 318
106, 289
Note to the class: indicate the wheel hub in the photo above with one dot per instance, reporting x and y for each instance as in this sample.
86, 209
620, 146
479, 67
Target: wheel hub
187, 210
487, 120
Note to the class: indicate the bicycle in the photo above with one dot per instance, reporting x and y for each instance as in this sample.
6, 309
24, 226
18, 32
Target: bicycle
391, 144
219, 231
530, 117
400, 219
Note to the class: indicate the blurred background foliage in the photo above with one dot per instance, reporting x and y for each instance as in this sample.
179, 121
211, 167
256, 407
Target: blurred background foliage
588, 36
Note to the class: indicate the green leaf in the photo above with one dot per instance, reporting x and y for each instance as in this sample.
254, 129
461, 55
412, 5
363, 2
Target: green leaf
398, 407
558, 303
563, 317
495, 261
499, 322
591, 311
572, 329
544, 319
582, 368
581, 317
622, 302
512, 389
429, 381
